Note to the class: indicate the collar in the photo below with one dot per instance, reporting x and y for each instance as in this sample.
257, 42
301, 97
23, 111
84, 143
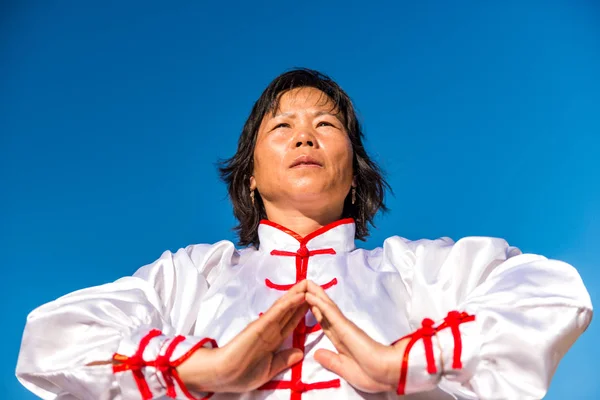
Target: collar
338, 235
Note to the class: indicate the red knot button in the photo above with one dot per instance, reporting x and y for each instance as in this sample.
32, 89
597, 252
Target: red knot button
298, 386
427, 328
162, 364
135, 363
302, 251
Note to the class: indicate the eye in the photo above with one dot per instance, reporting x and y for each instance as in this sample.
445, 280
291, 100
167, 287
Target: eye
282, 125
324, 123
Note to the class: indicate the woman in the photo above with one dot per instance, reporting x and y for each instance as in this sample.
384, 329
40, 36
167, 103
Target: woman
302, 313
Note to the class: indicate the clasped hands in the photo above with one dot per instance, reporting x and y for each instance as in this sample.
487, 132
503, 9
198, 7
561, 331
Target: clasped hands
253, 357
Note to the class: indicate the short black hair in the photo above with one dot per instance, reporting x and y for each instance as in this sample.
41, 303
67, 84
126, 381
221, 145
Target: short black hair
236, 171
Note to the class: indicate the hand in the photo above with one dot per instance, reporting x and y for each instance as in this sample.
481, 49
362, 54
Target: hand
251, 359
364, 363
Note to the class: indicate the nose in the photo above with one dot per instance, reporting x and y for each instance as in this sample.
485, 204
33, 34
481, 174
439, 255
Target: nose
305, 138
305, 143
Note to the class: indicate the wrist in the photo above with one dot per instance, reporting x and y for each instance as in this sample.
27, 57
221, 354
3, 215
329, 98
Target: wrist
200, 372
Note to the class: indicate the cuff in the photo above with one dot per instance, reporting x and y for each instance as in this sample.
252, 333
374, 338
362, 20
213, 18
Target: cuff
460, 343
447, 349
146, 365
421, 367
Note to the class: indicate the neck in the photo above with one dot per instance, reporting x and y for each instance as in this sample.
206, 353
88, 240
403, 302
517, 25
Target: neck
300, 221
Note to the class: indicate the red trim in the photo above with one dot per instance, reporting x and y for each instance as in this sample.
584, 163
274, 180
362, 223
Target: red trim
326, 228
282, 228
302, 256
312, 235
425, 333
162, 363
428, 332
186, 392
183, 358
299, 386
302, 252
329, 284
277, 286
298, 341
135, 364
311, 329
453, 321
188, 354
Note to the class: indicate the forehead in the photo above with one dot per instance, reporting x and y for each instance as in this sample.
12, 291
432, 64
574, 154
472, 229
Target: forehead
303, 98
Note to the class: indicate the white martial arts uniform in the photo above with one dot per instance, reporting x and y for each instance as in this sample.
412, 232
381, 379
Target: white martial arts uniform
516, 316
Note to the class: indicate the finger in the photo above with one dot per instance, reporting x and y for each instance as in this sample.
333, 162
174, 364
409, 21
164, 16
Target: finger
348, 369
325, 327
316, 312
349, 336
283, 360
283, 308
288, 301
294, 320
299, 287
290, 314
318, 291
264, 334
296, 290
293, 293
327, 311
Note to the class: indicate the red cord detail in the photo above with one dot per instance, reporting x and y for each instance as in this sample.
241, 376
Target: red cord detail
302, 252
305, 330
188, 354
135, 364
453, 321
312, 235
302, 256
186, 392
163, 364
277, 286
329, 284
299, 386
425, 333
168, 368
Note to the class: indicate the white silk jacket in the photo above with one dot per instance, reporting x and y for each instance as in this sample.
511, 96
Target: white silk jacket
485, 320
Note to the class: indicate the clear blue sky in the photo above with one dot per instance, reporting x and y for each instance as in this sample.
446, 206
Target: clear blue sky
486, 118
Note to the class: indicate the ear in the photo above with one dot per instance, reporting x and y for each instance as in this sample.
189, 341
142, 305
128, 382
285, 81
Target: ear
354, 181
252, 183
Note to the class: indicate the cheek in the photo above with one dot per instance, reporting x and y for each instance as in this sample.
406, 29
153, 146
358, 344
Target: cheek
344, 158
267, 158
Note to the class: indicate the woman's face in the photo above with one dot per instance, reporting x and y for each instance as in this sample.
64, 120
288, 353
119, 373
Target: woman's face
303, 156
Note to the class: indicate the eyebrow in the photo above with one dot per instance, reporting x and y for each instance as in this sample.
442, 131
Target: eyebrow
315, 114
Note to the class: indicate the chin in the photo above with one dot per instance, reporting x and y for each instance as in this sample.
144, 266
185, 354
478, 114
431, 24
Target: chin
316, 196
306, 187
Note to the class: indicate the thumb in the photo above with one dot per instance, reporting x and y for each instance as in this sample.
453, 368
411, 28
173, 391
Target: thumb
329, 360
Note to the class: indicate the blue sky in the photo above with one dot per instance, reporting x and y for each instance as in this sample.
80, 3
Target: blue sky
484, 116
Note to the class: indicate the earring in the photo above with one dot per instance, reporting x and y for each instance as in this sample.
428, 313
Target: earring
252, 196
353, 195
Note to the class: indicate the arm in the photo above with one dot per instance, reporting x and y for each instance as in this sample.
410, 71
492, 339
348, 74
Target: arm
69, 344
526, 312
494, 323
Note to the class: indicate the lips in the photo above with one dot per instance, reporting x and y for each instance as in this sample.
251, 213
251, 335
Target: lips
306, 161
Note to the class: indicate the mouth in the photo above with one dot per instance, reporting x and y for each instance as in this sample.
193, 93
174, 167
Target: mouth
306, 162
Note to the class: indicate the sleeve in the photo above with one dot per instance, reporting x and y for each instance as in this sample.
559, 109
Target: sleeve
123, 339
494, 322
